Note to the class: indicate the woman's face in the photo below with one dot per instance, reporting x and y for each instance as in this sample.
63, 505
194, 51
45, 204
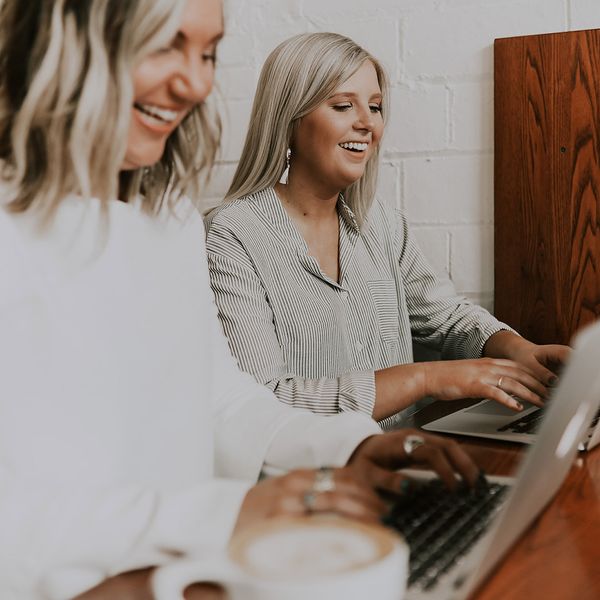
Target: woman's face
333, 143
170, 82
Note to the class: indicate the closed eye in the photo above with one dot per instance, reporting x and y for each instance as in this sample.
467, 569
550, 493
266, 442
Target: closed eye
342, 107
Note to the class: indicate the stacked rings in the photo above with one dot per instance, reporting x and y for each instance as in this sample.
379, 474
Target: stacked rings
323, 482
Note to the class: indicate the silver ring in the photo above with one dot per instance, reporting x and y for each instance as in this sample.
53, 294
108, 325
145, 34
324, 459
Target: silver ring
309, 500
324, 481
499, 384
411, 442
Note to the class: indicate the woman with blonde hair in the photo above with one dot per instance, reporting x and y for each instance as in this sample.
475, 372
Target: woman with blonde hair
321, 288
128, 437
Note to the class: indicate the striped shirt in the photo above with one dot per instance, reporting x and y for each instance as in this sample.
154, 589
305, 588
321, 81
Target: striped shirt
317, 342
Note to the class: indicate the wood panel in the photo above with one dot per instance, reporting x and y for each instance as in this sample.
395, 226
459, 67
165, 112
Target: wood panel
547, 183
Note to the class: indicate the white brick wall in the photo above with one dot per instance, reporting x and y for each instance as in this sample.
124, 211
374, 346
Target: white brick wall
437, 160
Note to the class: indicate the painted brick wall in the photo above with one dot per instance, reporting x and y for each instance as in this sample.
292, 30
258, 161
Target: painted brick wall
437, 161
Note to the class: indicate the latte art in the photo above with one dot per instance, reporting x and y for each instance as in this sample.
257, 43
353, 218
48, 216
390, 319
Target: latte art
310, 547
312, 557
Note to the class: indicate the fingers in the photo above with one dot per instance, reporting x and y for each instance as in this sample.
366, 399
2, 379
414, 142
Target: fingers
380, 456
348, 496
346, 505
446, 457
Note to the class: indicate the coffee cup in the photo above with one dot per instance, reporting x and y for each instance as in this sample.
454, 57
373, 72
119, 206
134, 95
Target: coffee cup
312, 557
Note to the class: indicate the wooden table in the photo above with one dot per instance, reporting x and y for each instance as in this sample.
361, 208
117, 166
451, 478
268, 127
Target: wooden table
558, 557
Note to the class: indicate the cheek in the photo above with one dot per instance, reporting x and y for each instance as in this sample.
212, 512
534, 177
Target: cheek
148, 75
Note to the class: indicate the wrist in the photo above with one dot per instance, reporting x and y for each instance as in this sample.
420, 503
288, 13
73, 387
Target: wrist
503, 344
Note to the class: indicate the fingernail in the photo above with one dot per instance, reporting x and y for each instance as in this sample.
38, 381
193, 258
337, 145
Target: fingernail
553, 380
518, 406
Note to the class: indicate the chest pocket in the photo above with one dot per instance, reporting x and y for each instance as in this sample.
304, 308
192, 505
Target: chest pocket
385, 298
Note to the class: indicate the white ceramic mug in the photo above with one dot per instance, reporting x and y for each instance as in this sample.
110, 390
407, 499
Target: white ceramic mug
316, 558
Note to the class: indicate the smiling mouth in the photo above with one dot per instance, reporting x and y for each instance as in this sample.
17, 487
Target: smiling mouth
354, 146
162, 116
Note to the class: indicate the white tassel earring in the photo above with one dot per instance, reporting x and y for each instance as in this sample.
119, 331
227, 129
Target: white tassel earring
286, 173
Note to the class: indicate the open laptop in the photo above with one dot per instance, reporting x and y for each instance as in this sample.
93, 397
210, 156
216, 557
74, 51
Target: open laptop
462, 554
492, 420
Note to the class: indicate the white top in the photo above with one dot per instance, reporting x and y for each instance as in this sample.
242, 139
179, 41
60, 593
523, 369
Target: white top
120, 403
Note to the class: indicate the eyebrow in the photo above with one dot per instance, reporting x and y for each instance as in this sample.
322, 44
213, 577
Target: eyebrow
377, 95
181, 36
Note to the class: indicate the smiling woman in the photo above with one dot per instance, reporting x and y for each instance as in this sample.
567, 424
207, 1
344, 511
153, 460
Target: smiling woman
321, 287
169, 83
122, 411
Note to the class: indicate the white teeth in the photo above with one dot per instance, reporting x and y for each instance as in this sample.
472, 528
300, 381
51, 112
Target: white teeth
163, 114
357, 146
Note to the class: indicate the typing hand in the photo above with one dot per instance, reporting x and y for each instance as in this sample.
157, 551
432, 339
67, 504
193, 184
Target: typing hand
377, 459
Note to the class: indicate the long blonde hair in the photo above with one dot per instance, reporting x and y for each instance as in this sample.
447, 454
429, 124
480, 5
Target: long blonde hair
66, 94
298, 76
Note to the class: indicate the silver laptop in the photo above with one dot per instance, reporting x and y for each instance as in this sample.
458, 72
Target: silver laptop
514, 502
491, 420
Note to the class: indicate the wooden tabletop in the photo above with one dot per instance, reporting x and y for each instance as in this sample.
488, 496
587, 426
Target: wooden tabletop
558, 557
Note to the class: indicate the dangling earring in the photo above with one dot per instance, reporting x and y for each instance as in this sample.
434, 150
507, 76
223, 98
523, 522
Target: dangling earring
286, 173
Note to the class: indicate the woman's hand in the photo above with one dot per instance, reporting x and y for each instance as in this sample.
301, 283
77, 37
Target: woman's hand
378, 457
544, 361
494, 378
289, 495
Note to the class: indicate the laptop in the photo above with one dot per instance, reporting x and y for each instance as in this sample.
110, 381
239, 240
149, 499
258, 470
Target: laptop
457, 540
492, 420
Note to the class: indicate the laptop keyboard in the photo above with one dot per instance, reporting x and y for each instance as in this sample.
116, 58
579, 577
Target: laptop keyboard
531, 421
440, 526
526, 424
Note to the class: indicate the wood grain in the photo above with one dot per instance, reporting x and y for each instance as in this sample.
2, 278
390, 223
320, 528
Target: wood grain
547, 183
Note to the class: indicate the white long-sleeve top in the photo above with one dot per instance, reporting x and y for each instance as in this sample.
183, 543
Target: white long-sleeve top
127, 432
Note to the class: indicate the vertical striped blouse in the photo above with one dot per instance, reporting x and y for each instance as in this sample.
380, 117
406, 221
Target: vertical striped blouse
317, 342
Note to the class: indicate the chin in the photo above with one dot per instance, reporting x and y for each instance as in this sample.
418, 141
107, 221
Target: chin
139, 161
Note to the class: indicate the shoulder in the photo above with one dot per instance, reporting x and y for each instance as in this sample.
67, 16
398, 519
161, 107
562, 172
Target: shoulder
248, 221
385, 219
228, 213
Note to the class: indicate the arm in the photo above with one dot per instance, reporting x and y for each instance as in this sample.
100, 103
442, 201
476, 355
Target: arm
442, 320
59, 540
248, 322
439, 317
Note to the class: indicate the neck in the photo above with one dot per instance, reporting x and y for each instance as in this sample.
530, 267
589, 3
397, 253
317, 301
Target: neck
307, 202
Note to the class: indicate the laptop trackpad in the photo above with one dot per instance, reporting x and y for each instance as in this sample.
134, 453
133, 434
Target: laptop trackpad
491, 407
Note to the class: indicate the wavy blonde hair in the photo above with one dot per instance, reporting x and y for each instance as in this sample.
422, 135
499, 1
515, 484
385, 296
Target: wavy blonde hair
66, 94
298, 76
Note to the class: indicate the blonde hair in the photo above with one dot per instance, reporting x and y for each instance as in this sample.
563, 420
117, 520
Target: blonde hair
298, 76
66, 95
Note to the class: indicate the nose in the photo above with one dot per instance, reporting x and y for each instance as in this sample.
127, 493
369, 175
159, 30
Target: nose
364, 119
194, 80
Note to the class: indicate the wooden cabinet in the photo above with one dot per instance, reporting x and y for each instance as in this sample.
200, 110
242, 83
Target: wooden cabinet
547, 183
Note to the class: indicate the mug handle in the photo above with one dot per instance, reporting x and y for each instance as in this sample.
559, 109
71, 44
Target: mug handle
169, 581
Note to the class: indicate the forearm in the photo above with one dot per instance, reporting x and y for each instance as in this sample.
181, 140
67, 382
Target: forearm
504, 344
398, 387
